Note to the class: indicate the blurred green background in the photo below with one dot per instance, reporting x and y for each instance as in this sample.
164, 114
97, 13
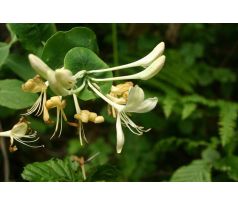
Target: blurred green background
194, 134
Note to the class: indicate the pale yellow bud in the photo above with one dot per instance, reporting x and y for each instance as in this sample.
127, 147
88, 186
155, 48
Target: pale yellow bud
84, 115
99, 119
77, 116
92, 116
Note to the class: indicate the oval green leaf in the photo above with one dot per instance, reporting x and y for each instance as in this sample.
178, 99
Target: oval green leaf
53, 170
61, 42
12, 96
80, 58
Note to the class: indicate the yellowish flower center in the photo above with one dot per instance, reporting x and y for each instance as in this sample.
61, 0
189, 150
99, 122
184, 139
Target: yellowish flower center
119, 94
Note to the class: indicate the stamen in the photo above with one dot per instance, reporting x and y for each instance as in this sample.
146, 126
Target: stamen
138, 130
57, 124
22, 142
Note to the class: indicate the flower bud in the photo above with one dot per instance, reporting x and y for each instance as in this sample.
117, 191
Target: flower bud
39, 66
153, 55
153, 69
99, 119
92, 116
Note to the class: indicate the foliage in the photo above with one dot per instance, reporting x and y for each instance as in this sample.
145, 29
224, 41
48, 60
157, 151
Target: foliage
194, 126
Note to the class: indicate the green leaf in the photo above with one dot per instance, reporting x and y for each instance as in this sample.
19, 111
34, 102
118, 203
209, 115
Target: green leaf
32, 36
197, 171
4, 52
74, 146
12, 35
227, 122
210, 155
12, 96
6, 112
61, 42
20, 66
188, 110
229, 165
104, 173
168, 105
54, 170
80, 58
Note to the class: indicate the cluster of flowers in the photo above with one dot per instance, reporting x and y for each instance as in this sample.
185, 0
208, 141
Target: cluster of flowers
122, 99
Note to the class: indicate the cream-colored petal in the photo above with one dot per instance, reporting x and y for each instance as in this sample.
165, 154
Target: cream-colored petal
145, 106
136, 97
19, 129
120, 134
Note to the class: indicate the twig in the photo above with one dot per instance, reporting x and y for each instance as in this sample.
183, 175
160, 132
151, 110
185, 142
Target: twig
6, 165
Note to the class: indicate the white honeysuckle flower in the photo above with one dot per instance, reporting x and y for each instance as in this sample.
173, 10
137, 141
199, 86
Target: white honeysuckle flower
135, 104
63, 83
144, 62
146, 74
19, 133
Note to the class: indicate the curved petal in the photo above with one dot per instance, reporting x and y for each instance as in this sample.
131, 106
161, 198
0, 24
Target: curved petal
145, 106
135, 98
120, 134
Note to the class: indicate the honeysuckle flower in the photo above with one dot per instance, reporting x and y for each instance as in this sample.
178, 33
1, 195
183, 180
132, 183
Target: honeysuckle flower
19, 133
123, 98
135, 104
144, 62
36, 85
59, 104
